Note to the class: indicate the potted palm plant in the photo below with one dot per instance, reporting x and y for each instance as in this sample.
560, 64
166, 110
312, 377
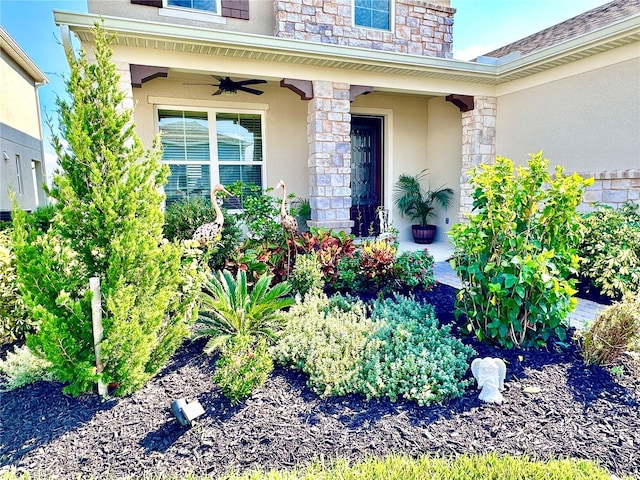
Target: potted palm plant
419, 204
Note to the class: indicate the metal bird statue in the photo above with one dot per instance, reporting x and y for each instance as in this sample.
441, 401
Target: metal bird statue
288, 222
209, 231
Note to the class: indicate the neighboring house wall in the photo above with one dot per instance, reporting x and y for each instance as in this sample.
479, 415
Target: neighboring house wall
585, 118
260, 14
418, 28
21, 157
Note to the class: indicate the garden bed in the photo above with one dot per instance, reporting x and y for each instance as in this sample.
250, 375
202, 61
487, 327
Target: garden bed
581, 411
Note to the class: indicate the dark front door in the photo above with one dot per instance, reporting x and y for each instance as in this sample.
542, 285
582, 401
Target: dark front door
366, 173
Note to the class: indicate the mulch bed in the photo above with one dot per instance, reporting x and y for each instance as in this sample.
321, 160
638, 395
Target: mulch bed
581, 411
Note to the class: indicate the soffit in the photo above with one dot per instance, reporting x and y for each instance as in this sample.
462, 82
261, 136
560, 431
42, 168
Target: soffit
177, 39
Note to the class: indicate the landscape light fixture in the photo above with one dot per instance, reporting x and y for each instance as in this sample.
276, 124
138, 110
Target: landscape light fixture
186, 412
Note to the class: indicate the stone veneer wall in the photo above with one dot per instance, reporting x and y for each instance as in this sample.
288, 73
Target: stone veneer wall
612, 187
419, 28
328, 132
478, 144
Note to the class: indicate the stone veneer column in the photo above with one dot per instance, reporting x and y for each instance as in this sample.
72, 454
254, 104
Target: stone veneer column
478, 144
122, 69
329, 135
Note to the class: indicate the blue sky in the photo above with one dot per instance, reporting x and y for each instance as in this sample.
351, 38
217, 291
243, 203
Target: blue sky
480, 26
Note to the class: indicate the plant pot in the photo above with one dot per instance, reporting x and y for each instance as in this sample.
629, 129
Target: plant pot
423, 233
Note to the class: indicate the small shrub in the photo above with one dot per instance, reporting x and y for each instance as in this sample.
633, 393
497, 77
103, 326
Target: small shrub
306, 277
410, 356
229, 308
14, 321
329, 246
415, 269
610, 250
614, 332
325, 343
22, 367
243, 366
517, 253
348, 276
377, 260
183, 217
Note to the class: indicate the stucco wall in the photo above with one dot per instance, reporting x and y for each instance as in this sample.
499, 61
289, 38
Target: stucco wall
260, 16
584, 122
286, 130
19, 108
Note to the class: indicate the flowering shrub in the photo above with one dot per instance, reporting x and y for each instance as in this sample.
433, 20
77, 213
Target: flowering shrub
243, 366
415, 269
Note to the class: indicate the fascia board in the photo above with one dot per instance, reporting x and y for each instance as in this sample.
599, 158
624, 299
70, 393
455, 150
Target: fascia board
21, 58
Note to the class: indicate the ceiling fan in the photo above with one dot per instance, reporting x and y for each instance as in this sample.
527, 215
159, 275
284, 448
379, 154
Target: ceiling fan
226, 85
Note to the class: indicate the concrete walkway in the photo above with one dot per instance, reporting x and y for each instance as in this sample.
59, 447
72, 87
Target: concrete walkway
585, 312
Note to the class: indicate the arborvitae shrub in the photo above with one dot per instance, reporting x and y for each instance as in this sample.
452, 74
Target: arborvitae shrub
108, 223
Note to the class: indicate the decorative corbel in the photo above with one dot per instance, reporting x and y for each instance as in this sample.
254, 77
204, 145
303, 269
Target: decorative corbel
463, 102
304, 88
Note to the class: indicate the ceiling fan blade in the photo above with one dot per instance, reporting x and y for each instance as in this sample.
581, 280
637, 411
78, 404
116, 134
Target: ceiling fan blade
217, 92
209, 84
250, 82
220, 79
250, 90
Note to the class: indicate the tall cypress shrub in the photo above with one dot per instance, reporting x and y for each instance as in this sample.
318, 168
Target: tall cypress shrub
108, 224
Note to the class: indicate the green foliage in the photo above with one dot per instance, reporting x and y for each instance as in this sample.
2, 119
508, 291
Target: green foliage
14, 321
306, 277
229, 308
261, 216
108, 223
517, 252
404, 467
615, 331
399, 352
325, 343
183, 217
410, 356
243, 366
22, 367
610, 250
416, 202
415, 269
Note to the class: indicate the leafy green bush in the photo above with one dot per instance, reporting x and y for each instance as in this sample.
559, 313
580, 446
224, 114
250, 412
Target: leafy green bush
415, 269
410, 356
14, 321
517, 253
615, 331
184, 216
306, 277
108, 223
610, 250
230, 309
324, 342
22, 367
243, 366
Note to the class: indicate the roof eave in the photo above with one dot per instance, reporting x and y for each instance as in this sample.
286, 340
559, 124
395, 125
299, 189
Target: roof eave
21, 58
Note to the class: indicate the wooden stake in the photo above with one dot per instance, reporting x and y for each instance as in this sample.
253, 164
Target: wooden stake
96, 322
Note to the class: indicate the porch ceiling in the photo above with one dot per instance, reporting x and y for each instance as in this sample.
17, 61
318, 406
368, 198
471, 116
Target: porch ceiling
177, 39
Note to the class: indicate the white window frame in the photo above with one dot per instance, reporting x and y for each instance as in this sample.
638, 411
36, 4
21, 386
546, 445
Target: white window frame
214, 163
19, 179
392, 20
192, 13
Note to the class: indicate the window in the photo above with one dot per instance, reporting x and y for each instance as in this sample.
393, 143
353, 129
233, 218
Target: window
206, 147
19, 176
372, 14
204, 5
